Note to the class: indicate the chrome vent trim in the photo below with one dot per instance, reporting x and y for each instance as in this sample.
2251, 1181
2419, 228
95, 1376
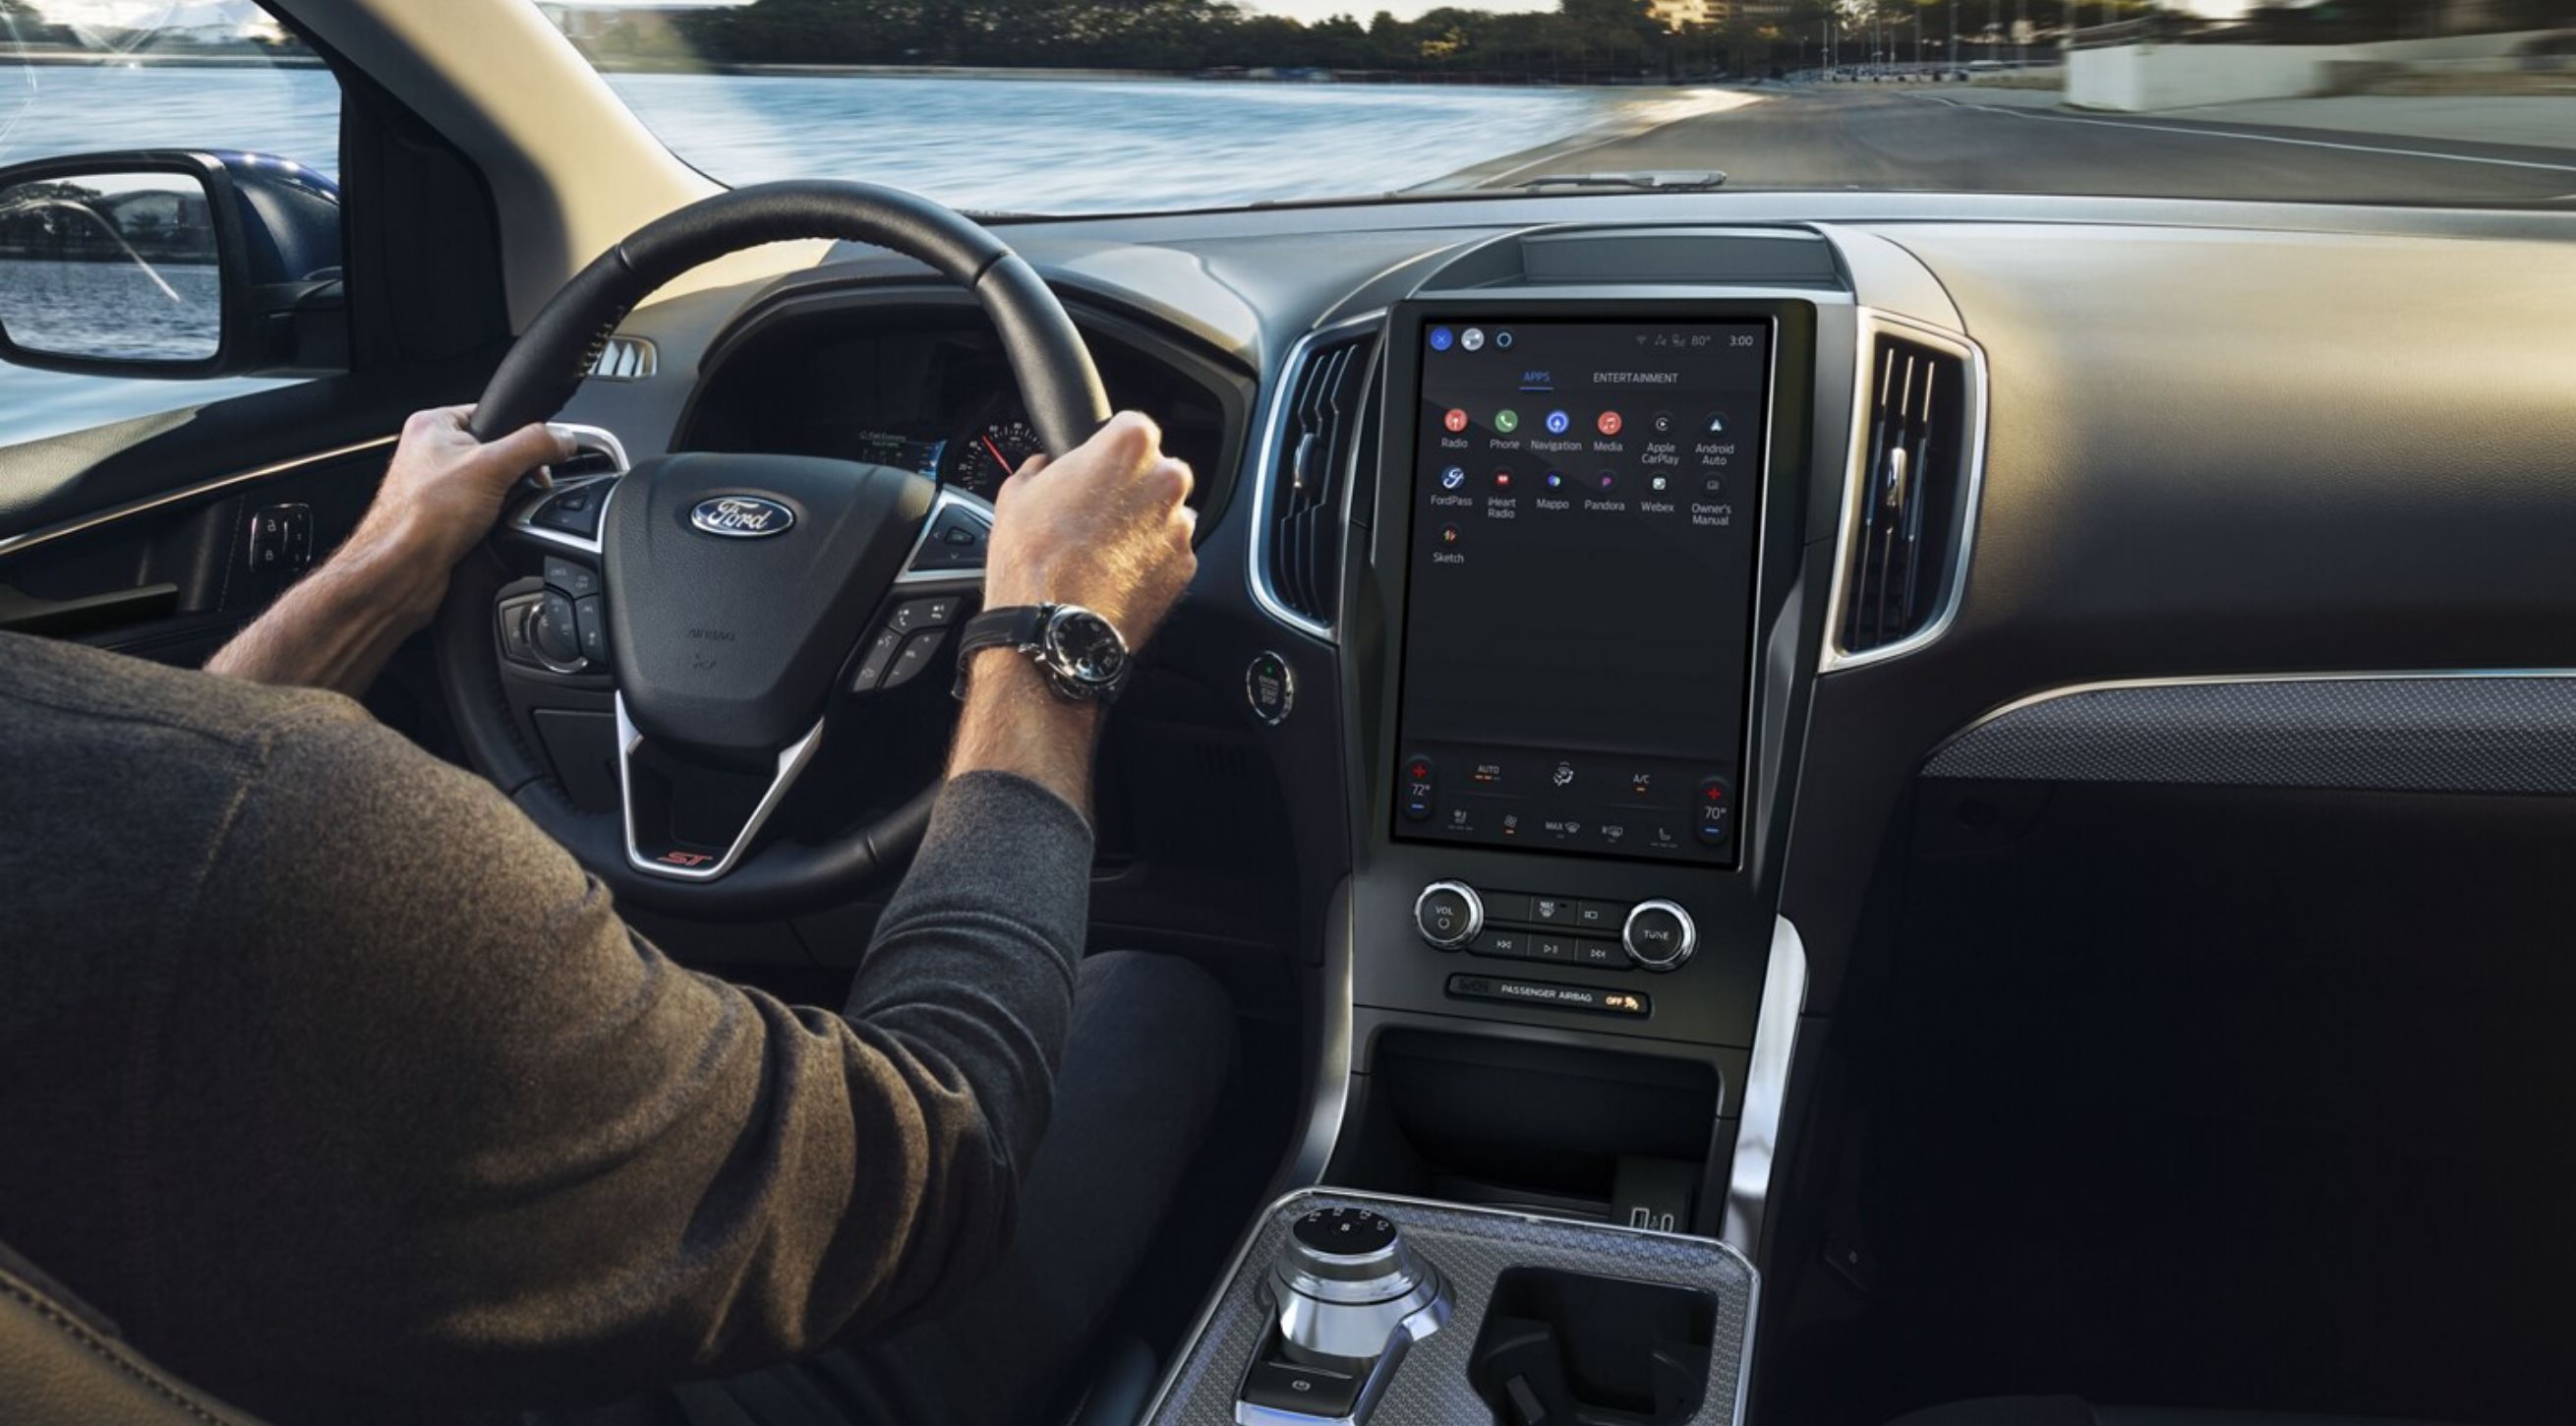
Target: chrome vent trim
624, 359
1887, 490
1308, 468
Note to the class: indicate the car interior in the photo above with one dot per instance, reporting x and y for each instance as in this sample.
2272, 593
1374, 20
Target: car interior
1816, 807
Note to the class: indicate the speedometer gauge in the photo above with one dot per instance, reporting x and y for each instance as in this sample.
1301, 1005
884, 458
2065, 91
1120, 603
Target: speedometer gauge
987, 456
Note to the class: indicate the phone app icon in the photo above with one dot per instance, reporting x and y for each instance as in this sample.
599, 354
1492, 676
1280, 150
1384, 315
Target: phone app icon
1609, 423
1442, 339
1456, 420
1507, 420
1557, 421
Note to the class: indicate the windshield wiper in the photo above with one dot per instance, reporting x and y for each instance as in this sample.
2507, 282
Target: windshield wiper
1651, 180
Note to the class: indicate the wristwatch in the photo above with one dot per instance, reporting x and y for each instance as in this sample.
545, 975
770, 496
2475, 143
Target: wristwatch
1081, 653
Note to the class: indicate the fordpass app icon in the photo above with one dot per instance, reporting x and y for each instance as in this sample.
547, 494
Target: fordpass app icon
1452, 478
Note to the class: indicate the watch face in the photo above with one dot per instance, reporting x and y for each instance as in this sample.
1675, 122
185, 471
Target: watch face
1086, 647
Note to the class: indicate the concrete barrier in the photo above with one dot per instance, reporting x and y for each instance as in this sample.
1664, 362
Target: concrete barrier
2141, 78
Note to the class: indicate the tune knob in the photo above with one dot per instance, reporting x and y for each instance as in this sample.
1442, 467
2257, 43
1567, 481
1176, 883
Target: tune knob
1448, 914
1659, 935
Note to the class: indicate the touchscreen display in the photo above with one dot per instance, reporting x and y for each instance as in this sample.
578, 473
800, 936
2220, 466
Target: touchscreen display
1580, 604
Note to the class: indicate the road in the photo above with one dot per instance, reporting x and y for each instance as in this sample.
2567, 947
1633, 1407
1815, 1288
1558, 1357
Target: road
1868, 136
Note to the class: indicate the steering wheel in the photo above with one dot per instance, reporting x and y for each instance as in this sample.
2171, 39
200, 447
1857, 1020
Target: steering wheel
739, 603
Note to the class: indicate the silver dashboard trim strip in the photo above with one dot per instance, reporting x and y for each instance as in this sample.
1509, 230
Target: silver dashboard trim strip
1266, 466
20, 543
2071, 690
1330, 1105
1873, 323
1766, 1086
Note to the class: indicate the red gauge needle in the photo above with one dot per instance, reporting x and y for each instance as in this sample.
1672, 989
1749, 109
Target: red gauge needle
998, 458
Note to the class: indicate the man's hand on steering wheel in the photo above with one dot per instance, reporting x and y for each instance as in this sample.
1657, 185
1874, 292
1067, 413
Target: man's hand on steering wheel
1106, 528
440, 496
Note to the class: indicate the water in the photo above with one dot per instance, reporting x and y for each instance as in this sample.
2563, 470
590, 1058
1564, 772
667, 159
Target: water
112, 310
1006, 144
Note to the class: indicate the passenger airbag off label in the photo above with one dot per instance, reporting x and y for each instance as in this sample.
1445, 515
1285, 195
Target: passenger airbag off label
1551, 996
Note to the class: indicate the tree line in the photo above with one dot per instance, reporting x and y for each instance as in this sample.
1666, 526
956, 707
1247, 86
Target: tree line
1582, 40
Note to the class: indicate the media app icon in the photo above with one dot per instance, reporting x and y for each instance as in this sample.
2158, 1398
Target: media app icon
1557, 422
1507, 420
1456, 420
1473, 339
1609, 423
1442, 338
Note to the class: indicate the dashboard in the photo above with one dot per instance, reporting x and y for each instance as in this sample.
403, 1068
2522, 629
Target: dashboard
2154, 439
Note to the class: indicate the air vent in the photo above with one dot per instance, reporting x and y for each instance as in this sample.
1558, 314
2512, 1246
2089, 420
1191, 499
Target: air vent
1913, 490
623, 359
1317, 427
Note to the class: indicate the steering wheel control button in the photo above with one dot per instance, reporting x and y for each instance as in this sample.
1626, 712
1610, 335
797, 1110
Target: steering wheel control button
571, 576
1448, 914
555, 632
912, 658
880, 655
1421, 782
1270, 686
956, 541
1547, 995
574, 511
590, 622
914, 614
1659, 935
1714, 812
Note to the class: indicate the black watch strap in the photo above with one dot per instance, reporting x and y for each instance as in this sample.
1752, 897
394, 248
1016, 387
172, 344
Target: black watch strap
1016, 627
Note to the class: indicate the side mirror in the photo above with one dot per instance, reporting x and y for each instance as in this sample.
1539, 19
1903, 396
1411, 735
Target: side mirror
170, 264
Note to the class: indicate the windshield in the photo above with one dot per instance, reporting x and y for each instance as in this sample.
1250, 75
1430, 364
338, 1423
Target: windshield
1118, 105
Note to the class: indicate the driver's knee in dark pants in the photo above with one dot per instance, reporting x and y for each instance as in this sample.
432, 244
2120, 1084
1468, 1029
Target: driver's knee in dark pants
1147, 1056
1146, 1060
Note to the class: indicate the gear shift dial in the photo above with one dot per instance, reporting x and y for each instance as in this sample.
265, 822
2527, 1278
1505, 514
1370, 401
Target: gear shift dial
1350, 1296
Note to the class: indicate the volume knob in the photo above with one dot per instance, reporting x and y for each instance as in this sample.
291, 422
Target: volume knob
1448, 914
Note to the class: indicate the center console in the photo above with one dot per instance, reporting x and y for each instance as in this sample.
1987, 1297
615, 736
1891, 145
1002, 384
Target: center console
1580, 612
1578, 711
1344, 1308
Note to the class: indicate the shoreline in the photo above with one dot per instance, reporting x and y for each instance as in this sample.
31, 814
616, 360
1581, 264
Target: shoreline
1700, 103
614, 68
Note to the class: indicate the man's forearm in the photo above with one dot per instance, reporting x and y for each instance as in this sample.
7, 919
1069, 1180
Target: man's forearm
336, 627
1015, 723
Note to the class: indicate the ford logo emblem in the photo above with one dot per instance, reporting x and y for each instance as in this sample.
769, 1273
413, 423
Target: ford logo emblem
741, 517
